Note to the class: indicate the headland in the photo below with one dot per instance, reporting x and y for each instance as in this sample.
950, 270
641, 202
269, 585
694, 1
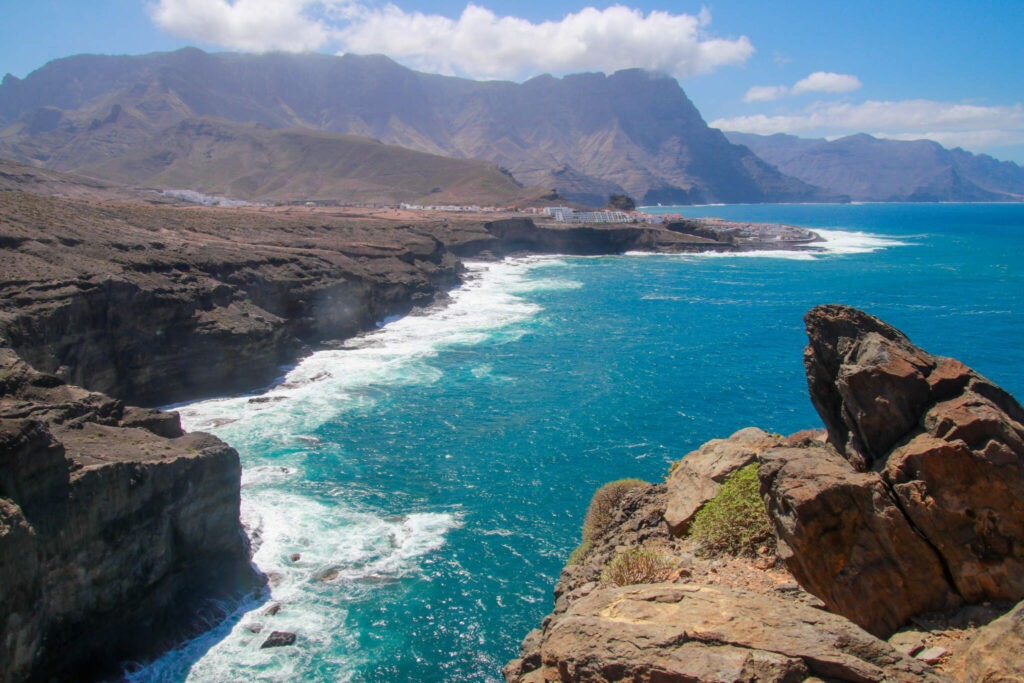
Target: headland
119, 530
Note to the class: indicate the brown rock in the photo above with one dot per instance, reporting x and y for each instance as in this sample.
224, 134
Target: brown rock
949, 447
710, 633
844, 538
995, 654
867, 381
699, 475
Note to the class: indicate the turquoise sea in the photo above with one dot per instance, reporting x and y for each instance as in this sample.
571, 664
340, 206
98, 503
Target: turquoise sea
430, 479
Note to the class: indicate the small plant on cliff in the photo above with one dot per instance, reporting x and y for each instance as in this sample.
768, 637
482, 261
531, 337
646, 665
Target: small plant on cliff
600, 514
603, 505
734, 521
580, 554
637, 566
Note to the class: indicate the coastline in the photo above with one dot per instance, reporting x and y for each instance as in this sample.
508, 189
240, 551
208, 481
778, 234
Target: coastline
693, 255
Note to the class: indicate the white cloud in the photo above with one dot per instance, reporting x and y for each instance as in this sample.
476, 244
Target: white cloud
819, 81
826, 81
971, 126
904, 116
765, 93
478, 43
251, 25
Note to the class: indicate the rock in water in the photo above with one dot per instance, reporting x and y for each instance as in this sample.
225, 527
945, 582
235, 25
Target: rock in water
278, 639
934, 451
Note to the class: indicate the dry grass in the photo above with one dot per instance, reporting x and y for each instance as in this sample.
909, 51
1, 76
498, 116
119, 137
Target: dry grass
637, 566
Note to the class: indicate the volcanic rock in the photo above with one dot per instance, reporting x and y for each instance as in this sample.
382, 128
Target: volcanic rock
846, 540
930, 439
688, 632
996, 653
698, 477
116, 529
278, 639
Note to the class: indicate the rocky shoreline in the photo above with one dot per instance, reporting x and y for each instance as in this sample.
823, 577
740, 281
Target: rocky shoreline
116, 528
899, 536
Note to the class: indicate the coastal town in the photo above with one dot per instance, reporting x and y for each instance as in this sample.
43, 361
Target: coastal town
744, 234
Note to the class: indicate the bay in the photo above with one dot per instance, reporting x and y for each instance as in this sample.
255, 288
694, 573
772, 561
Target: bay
413, 496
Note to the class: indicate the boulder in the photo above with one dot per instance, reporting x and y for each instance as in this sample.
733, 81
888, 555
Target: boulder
279, 639
925, 512
843, 536
689, 632
699, 475
996, 653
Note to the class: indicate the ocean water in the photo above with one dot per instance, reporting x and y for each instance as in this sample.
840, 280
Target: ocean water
413, 496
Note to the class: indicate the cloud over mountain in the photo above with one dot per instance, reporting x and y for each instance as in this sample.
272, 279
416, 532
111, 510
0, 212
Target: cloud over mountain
819, 81
971, 125
478, 44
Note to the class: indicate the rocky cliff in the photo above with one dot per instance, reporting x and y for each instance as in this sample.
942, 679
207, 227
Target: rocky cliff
898, 536
117, 530
158, 304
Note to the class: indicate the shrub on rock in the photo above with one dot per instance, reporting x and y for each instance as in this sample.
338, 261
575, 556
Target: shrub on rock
601, 512
734, 521
637, 566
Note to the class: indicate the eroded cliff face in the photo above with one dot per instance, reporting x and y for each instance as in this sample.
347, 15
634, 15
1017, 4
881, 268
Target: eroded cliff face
116, 528
159, 304
909, 513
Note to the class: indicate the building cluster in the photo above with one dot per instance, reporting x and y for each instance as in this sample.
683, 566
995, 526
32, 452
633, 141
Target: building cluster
563, 214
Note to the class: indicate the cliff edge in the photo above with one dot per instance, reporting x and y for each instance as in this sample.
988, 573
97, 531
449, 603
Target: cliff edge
876, 552
116, 528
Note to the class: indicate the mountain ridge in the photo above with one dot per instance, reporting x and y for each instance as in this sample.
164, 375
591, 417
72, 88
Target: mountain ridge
586, 135
876, 169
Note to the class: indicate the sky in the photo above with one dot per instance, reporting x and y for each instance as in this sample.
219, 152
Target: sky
946, 70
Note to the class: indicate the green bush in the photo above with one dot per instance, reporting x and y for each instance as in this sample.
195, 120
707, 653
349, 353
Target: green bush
580, 554
602, 506
734, 521
637, 566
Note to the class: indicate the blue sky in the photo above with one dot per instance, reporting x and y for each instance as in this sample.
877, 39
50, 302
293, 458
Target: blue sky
945, 70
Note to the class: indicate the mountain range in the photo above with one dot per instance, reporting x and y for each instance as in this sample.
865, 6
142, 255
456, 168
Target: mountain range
586, 135
871, 169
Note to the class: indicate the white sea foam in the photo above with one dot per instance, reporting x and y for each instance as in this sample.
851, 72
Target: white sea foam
326, 383
318, 555
318, 550
836, 242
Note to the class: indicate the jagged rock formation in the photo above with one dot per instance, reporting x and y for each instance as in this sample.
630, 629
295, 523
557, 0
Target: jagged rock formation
585, 135
924, 508
116, 528
908, 512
